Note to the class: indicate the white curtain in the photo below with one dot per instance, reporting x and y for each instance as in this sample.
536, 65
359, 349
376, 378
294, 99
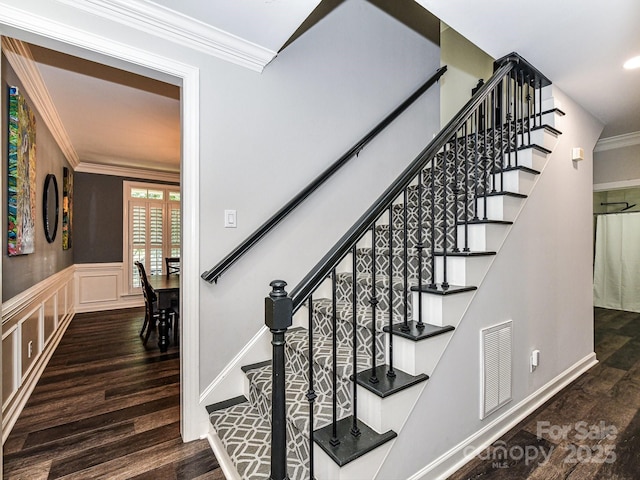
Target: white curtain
616, 276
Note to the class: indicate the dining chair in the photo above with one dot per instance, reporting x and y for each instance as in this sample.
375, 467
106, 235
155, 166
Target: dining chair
173, 264
151, 314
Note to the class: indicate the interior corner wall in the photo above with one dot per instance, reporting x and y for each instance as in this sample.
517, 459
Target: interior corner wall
542, 280
98, 217
617, 165
277, 131
23, 271
466, 64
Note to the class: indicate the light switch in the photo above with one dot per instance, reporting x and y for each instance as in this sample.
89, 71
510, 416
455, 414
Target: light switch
230, 219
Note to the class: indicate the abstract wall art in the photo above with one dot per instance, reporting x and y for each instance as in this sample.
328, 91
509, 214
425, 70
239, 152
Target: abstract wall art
21, 175
67, 207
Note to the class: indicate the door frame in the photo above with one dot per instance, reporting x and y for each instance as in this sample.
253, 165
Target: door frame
192, 416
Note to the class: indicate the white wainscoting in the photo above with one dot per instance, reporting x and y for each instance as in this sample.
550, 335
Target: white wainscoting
100, 286
33, 323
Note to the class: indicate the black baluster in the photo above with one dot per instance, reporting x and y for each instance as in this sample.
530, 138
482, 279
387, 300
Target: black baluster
475, 168
528, 110
485, 168
334, 441
502, 148
509, 121
496, 137
445, 284
374, 305
278, 317
533, 100
391, 372
516, 108
433, 222
311, 394
466, 187
456, 192
540, 103
419, 247
405, 261
355, 430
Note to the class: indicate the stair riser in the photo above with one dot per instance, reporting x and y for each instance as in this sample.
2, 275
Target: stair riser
499, 207
463, 270
419, 357
344, 334
364, 264
483, 237
344, 293
530, 158
515, 181
442, 310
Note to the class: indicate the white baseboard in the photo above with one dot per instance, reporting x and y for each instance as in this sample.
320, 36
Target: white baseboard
458, 456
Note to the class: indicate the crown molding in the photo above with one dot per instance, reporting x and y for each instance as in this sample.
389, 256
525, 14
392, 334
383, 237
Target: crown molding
21, 60
129, 172
619, 141
160, 21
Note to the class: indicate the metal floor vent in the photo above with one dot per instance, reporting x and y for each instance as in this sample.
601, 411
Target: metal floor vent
496, 368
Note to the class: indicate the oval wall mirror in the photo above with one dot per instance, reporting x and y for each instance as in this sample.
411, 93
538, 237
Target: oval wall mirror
50, 207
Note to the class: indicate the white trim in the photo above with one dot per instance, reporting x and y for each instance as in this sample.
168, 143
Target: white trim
619, 141
10, 417
599, 187
450, 462
251, 353
21, 60
193, 417
12, 306
225, 462
161, 21
15, 312
130, 172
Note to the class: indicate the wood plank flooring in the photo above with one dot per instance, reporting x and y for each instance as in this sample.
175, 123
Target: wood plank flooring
106, 407
553, 444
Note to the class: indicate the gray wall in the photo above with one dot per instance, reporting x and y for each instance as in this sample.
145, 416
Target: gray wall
23, 271
97, 221
616, 165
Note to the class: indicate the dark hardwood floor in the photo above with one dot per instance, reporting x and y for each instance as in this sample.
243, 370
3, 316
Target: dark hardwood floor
589, 430
106, 407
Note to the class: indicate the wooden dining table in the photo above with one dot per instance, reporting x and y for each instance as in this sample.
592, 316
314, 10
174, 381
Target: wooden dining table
167, 290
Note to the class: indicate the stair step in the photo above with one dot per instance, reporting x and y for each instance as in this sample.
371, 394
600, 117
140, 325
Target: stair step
414, 332
386, 385
246, 436
351, 447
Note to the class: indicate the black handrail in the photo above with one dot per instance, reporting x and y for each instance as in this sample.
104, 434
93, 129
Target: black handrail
213, 274
309, 283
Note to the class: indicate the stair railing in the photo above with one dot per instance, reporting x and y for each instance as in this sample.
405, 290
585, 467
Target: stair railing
214, 273
448, 185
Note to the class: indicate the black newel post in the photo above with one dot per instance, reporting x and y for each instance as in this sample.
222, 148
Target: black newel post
278, 311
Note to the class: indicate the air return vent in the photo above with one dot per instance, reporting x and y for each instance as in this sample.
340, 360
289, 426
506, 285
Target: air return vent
495, 367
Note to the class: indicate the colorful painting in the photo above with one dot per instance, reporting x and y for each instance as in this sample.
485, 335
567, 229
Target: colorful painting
22, 175
67, 207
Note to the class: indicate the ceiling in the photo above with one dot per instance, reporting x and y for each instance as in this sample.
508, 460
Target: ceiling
119, 119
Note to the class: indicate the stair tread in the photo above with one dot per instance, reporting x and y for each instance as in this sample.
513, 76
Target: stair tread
246, 436
296, 399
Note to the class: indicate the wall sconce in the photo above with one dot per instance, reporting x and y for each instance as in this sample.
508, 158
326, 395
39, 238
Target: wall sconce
577, 154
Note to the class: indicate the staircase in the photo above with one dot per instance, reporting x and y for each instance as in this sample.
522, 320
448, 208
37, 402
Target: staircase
385, 301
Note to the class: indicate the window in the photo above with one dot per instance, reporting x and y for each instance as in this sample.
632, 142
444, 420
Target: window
152, 228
